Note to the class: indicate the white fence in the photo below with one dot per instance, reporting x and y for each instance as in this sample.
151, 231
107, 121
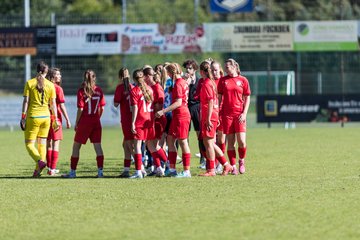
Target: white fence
10, 111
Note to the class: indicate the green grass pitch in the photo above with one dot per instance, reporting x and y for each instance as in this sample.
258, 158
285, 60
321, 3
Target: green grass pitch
300, 183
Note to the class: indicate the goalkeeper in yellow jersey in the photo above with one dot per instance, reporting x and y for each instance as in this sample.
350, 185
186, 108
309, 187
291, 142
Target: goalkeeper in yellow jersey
39, 93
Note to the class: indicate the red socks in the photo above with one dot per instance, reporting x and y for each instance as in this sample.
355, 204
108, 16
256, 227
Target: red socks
138, 161
127, 163
162, 154
232, 157
222, 160
73, 162
242, 152
54, 159
186, 160
100, 161
49, 158
222, 146
172, 159
156, 159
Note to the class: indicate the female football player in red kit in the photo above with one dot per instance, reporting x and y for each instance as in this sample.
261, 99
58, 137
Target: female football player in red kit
141, 99
209, 116
179, 127
122, 98
54, 137
234, 94
90, 103
153, 79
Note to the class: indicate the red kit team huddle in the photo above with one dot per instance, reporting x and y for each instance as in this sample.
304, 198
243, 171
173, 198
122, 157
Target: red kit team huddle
145, 119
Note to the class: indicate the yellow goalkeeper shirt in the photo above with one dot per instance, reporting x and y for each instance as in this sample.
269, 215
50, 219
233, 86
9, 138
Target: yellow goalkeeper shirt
38, 105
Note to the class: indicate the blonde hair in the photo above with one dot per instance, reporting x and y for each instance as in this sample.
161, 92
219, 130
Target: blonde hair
221, 69
89, 82
234, 63
138, 77
174, 69
164, 76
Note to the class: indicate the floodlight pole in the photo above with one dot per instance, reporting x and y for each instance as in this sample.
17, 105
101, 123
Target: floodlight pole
27, 58
342, 70
123, 10
196, 17
268, 62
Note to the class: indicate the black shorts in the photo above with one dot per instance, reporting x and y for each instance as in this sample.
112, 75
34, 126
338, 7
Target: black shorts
168, 121
195, 116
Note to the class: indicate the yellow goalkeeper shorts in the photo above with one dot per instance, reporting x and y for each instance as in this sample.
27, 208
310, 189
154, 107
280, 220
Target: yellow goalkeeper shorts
37, 127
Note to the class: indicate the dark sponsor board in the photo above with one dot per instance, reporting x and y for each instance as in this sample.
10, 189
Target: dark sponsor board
308, 108
17, 41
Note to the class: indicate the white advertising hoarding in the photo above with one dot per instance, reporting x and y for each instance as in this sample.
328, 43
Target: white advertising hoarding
88, 39
10, 111
249, 37
325, 36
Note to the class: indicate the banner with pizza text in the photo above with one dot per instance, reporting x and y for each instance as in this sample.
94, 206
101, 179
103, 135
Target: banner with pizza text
249, 37
308, 108
326, 36
161, 38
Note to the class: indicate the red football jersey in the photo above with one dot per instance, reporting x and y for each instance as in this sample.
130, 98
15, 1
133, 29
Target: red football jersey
60, 98
158, 92
207, 93
181, 91
91, 105
123, 98
145, 109
233, 89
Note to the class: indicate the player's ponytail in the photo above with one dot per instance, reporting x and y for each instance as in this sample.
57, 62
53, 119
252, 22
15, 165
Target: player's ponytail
206, 68
124, 76
41, 69
89, 82
138, 77
164, 75
174, 70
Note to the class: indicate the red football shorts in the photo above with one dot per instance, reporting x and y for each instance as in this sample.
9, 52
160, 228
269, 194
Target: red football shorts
58, 135
232, 125
126, 128
144, 133
208, 134
220, 125
179, 128
151, 133
88, 128
160, 125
